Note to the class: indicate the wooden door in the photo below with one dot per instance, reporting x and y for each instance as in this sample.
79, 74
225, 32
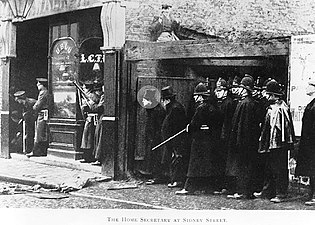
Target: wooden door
183, 87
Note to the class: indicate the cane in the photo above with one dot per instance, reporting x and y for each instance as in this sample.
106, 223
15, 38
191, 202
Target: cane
169, 139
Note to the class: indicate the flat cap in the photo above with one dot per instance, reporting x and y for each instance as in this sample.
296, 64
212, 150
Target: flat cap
19, 93
42, 79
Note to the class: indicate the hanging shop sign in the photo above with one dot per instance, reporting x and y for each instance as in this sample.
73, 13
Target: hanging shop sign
302, 69
42, 8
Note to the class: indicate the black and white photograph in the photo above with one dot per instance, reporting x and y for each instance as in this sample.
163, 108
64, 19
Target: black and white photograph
157, 112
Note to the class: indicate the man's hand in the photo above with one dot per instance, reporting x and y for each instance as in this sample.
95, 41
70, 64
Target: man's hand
187, 127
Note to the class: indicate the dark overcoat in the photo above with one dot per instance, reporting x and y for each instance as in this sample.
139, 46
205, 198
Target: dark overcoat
153, 125
205, 129
174, 121
306, 154
88, 138
41, 125
243, 146
98, 151
29, 118
227, 108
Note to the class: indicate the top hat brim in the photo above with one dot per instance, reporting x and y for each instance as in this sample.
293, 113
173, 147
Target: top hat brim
168, 96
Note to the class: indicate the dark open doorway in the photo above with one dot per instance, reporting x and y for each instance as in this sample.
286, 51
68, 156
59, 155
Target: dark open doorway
31, 62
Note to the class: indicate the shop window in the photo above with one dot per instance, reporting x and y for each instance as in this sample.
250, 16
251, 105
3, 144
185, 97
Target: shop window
64, 70
64, 30
91, 60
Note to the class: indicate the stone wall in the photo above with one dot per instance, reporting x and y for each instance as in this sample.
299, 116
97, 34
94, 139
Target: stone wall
227, 18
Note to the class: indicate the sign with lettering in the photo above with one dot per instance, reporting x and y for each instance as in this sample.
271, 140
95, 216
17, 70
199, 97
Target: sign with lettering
42, 8
64, 70
91, 60
302, 68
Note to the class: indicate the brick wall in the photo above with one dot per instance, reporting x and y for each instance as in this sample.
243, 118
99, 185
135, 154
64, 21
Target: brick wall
227, 18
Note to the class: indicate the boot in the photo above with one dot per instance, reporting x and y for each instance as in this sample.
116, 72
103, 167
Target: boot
39, 149
35, 151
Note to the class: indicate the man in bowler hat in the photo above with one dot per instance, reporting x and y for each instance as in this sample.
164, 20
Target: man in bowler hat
173, 152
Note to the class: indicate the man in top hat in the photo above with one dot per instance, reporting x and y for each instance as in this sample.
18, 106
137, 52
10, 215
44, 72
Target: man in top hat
173, 152
91, 108
306, 154
227, 108
277, 137
40, 109
205, 165
242, 153
154, 116
164, 27
28, 118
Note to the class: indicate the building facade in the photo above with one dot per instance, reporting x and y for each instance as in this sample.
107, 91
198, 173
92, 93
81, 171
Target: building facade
65, 41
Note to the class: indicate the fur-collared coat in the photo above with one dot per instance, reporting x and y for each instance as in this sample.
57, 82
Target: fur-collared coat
174, 121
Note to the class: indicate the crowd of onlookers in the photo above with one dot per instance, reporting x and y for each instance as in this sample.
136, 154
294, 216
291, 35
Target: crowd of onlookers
233, 141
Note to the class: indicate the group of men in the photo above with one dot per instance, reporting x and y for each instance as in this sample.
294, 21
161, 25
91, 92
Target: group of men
35, 138
92, 108
36, 141
236, 140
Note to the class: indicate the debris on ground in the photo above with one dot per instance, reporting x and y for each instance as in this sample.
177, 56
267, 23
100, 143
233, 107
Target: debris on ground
48, 195
77, 183
123, 186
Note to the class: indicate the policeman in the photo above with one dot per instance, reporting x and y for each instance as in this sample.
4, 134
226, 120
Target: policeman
28, 117
227, 108
205, 127
244, 140
40, 109
89, 108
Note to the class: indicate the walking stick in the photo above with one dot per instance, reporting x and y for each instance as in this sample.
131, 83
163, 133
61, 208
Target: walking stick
169, 139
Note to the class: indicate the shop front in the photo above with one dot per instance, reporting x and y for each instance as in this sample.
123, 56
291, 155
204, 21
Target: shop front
66, 42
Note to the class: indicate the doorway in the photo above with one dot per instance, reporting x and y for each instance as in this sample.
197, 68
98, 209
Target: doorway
31, 62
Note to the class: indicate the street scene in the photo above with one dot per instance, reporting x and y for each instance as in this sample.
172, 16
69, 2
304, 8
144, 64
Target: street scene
156, 106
